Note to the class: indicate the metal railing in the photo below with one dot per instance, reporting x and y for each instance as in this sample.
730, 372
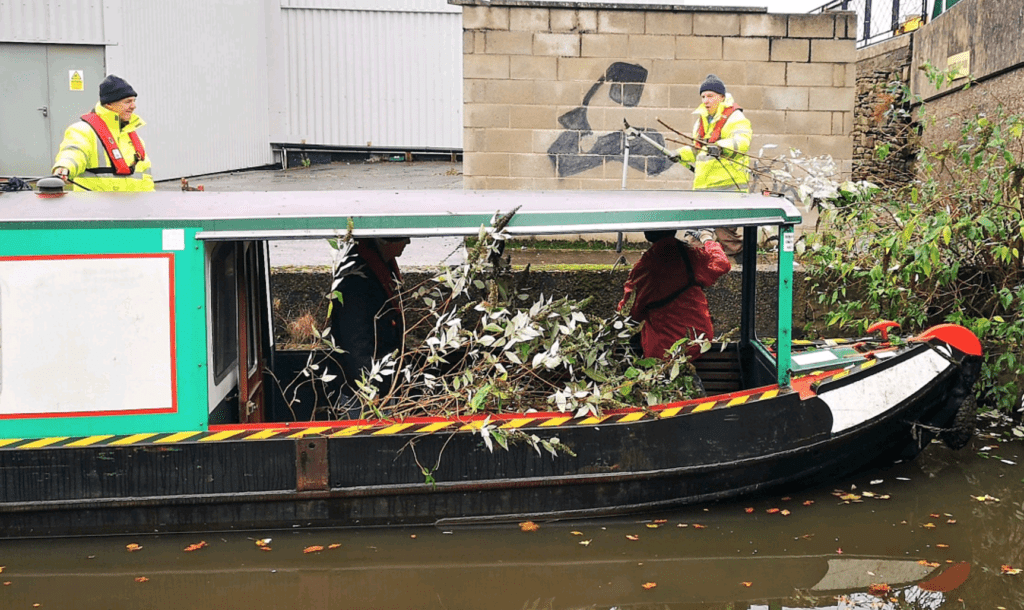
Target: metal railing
878, 20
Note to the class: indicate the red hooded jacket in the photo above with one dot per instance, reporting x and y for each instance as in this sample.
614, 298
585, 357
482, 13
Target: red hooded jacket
659, 273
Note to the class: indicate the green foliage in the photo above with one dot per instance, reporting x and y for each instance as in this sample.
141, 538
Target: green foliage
944, 248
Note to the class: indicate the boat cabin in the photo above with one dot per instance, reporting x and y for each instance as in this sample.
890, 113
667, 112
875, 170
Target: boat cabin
125, 314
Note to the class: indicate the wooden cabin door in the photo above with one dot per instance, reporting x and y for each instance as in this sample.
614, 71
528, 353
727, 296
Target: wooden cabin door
253, 332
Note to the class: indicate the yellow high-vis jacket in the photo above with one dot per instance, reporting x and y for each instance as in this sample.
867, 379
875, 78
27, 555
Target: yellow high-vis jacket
81, 152
730, 170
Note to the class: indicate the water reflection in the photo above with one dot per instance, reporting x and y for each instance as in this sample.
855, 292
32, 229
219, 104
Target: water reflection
916, 528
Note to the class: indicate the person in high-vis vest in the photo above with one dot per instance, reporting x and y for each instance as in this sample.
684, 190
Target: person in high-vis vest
103, 152
719, 158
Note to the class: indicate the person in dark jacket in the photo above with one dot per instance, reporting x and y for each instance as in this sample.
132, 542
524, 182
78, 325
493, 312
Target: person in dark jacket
367, 323
665, 291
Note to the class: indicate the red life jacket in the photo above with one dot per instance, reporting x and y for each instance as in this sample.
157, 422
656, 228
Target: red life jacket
716, 132
107, 139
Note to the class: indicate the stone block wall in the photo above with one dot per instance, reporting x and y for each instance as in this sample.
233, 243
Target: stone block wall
548, 84
880, 67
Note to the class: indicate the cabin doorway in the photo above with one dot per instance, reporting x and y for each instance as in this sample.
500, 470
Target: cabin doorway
239, 331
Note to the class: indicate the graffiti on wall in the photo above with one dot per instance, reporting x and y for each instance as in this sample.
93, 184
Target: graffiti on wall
625, 86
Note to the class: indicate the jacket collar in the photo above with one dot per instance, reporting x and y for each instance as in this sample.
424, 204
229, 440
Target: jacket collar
703, 112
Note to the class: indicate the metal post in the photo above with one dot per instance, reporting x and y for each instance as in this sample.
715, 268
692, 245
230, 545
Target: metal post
895, 15
867, 20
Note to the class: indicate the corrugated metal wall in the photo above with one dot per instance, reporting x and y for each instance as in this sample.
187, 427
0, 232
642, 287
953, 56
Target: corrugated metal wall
200, 69
65, 22
363, 74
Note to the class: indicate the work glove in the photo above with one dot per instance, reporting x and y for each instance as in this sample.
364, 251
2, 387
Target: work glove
700, 236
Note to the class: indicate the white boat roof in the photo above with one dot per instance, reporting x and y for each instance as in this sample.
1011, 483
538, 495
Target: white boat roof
314, 214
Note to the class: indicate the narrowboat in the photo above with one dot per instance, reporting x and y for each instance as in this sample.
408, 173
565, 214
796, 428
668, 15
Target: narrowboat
137, 359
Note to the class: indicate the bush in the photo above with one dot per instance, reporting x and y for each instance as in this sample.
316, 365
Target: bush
946, 247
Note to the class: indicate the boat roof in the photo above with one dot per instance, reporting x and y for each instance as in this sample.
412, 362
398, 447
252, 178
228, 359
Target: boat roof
277, 215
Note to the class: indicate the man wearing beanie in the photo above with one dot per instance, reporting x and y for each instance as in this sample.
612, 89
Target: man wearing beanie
720, 161
103, 152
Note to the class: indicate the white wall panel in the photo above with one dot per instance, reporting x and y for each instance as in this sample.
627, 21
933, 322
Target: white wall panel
382, 78
64, 22
199, 67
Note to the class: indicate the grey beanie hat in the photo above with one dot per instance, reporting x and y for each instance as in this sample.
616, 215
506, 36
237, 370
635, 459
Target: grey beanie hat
114, 88
713, 83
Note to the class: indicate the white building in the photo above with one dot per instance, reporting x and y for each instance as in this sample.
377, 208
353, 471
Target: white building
225, 84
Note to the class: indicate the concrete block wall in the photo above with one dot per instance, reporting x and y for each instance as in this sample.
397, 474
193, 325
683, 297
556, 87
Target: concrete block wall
548, 84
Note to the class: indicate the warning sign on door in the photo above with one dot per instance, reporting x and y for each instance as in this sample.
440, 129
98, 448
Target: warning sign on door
76, 81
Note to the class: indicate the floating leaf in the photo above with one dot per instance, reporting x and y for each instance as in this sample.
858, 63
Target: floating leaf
633, 537
141, 579
1008, 570
749, 510
879, 589
529, 526
653, 526
586, 542
746, 583
661, 521
195, 547
986, 498
133, 547
928, 526
877, 481
649, 585
929, 564
263, 541
951, 521
942, 546
849, 497
784, 513
312, 549
337, 546
266, 548
839, 551
808, 502
575, 533
935, 516
772, 511
699, 526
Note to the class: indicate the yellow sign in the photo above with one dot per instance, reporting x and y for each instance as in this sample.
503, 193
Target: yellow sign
959, 65
76, 81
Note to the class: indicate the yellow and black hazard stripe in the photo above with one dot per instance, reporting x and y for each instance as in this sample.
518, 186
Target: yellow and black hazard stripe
383, 428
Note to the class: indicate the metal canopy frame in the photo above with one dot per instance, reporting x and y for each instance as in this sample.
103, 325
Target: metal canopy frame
283, 215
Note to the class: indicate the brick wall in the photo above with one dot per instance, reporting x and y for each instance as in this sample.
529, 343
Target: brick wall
548, 84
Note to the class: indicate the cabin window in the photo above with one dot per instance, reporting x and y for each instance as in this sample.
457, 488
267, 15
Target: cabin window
224, 306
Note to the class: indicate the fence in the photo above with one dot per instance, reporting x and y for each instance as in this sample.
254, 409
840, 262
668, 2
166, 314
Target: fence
878, 20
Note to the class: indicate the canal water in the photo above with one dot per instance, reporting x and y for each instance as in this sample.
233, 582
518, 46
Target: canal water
944, 531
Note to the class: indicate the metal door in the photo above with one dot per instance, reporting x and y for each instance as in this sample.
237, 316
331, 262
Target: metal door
45, 89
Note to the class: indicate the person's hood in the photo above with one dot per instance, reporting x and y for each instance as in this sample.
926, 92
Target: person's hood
703, 112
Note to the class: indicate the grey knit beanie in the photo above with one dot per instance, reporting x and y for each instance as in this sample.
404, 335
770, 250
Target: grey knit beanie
114, 88
713, 83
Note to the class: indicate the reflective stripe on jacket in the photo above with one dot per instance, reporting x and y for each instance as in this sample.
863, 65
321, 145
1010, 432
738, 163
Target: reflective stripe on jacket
82, 151
729, 171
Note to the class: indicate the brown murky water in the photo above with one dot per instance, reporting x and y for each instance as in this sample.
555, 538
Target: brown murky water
918, 528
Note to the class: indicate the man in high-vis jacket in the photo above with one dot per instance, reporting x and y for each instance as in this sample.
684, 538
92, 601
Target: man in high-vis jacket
103, 152
719, 158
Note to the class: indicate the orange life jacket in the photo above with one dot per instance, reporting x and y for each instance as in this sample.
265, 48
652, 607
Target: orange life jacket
716, 132
121, 168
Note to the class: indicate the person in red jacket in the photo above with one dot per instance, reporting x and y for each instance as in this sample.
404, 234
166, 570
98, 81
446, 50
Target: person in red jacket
665, 290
